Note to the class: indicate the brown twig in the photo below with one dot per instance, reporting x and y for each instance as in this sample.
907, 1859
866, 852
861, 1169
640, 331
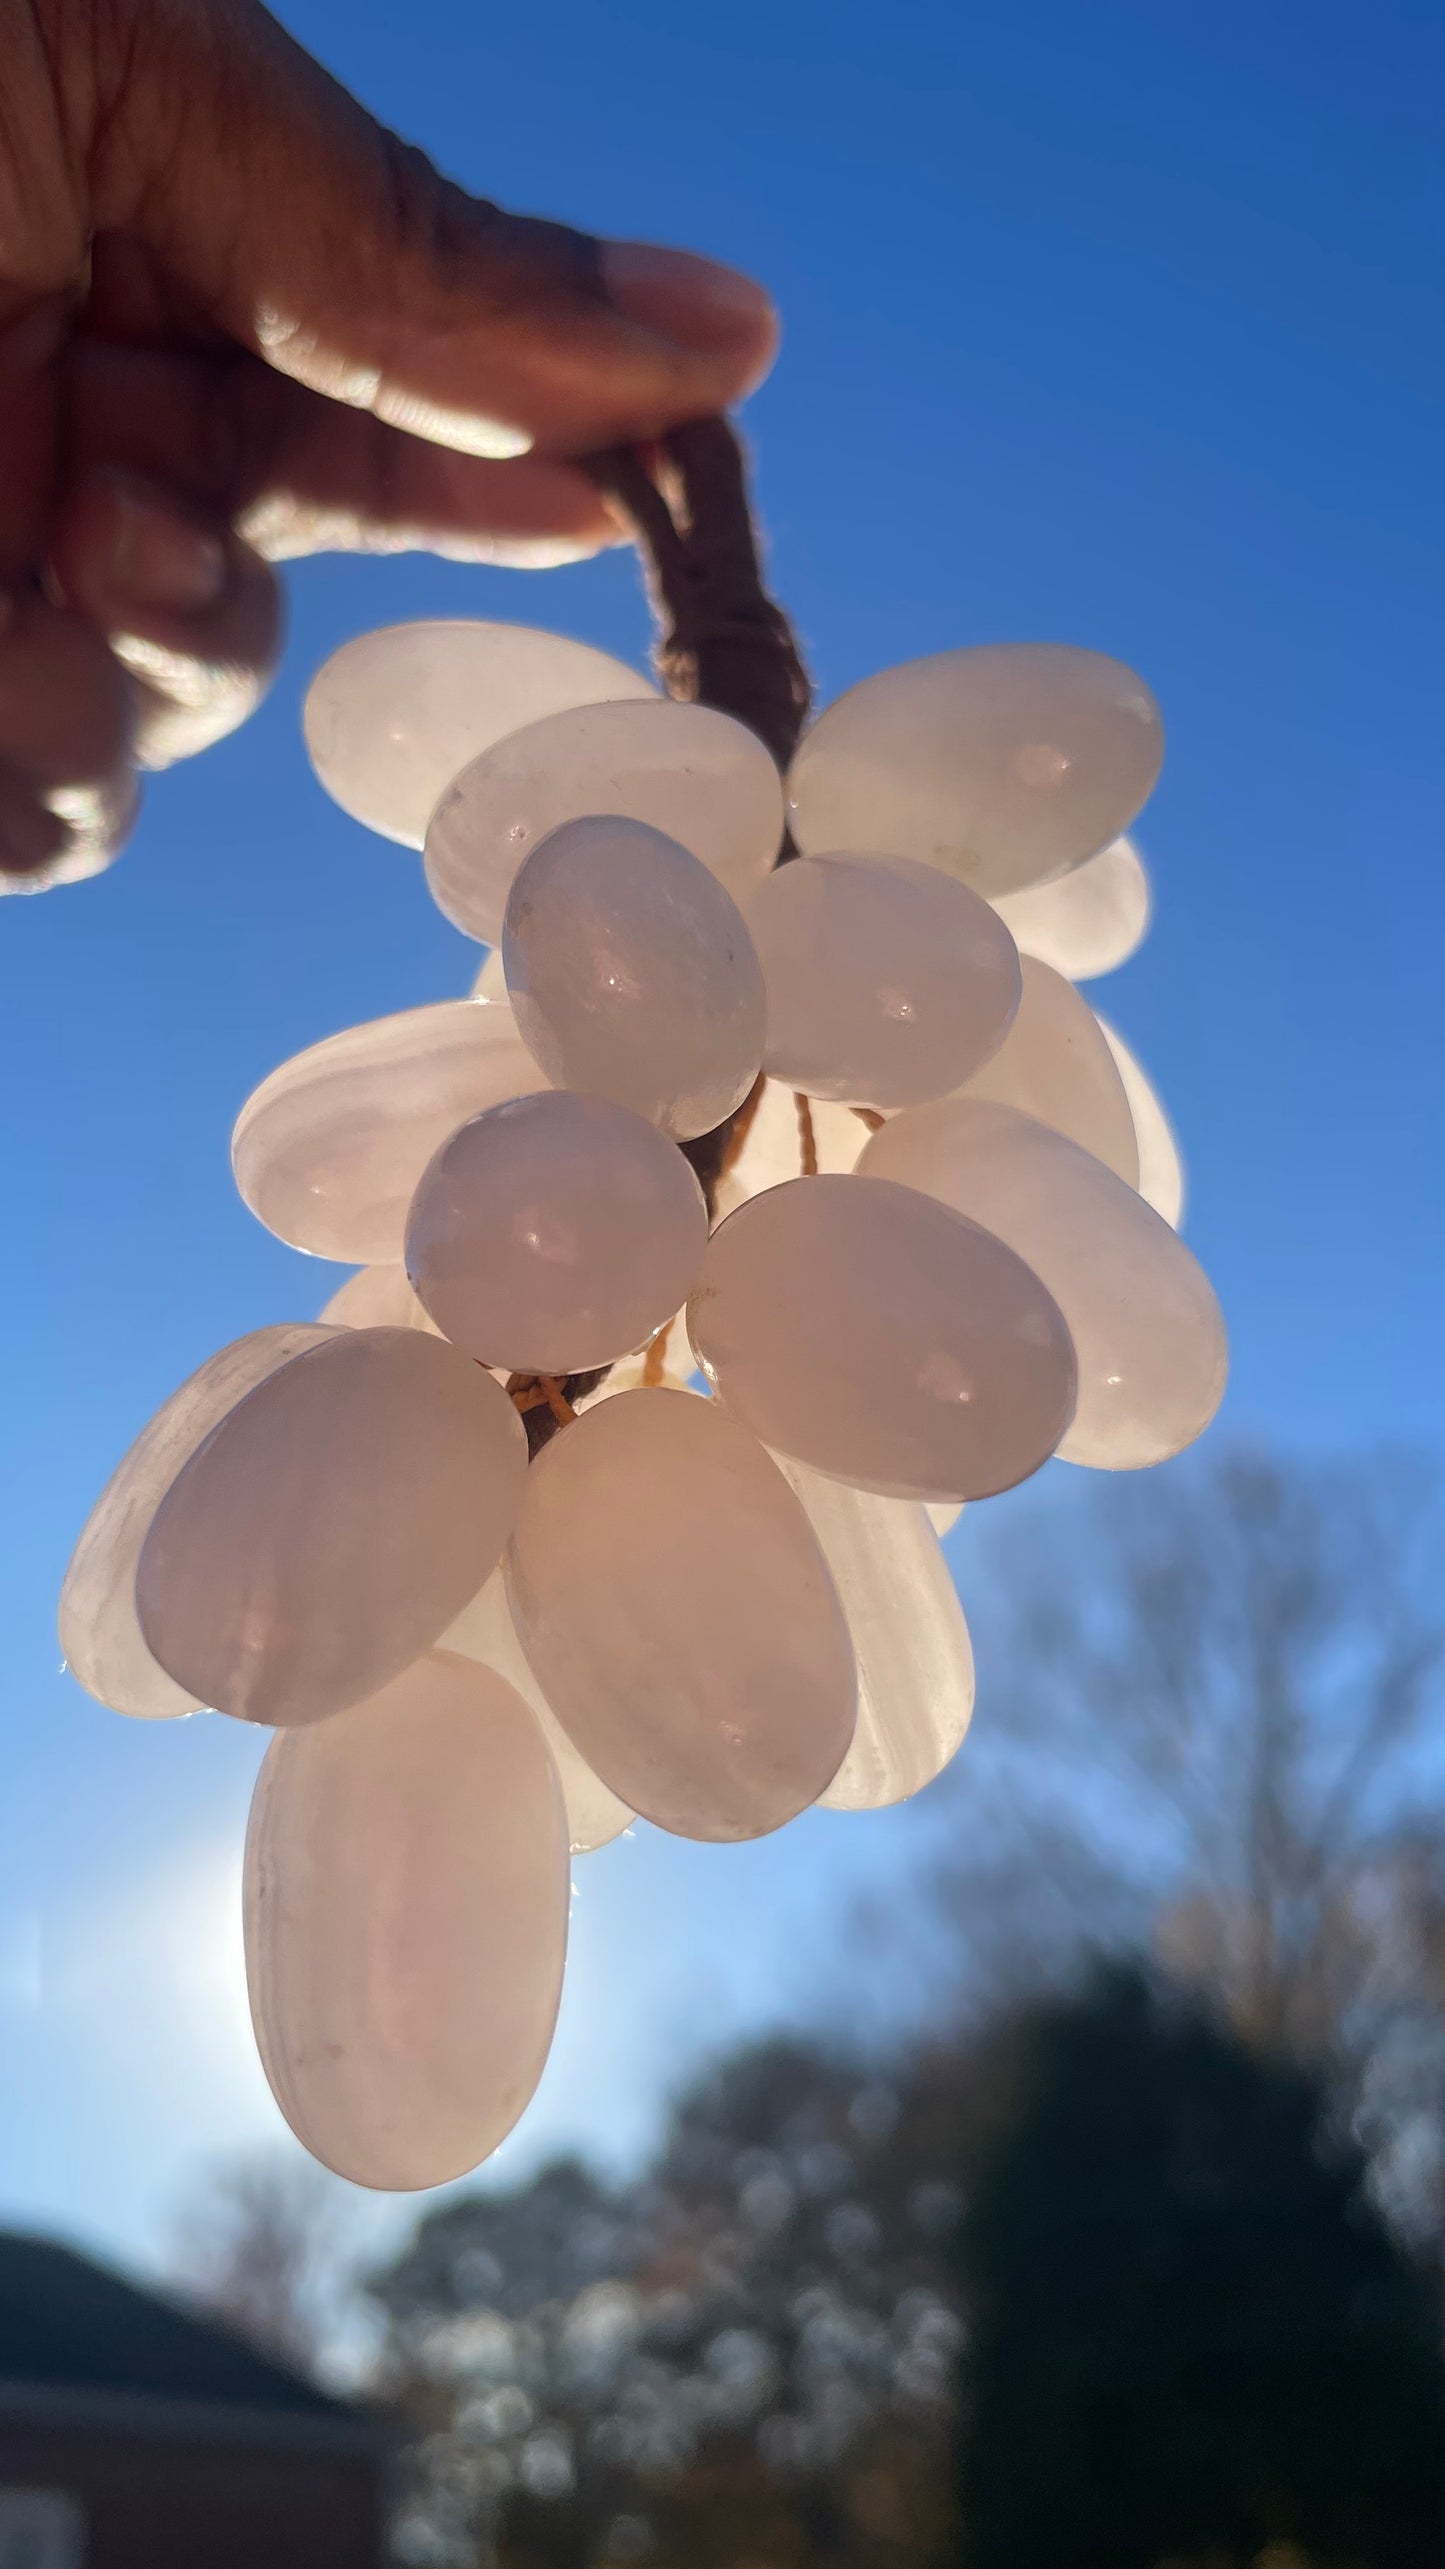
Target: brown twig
721, 642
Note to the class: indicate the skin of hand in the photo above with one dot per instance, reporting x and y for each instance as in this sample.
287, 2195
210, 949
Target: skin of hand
240, 321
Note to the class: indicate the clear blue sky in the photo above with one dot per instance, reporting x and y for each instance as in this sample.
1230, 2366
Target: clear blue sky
1114, 324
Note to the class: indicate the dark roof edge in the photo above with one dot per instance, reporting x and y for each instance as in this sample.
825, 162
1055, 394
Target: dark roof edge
194, 2421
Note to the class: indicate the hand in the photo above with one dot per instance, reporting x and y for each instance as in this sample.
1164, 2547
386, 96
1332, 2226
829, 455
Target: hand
239, 321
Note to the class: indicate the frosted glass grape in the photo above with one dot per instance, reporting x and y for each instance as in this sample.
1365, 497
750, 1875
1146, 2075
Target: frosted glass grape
332, 1525
327, 1151
555, 1233
1055, 1064
1161, 1168
887, 981
1086, 922
771, 1148
680, 1618
697, 775
1002, 765
484, 1631
99, 1633
377, 1298
851, 1328
1148, 1330
915, 1660
392, 717
943, 1515
406, 1902
632, 975
491, 981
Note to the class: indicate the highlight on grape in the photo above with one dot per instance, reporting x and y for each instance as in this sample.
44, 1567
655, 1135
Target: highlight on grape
775, 1193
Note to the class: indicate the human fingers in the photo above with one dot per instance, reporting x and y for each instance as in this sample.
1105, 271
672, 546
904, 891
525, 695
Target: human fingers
317, 239
191, 611
68, 793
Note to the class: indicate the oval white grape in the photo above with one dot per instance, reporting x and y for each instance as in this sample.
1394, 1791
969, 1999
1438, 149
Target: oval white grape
680, 1618
328, 1150
406, 1905
394, 715
1004, 765
1161, 1164
696, 775
1056, 1065
1153, 1357
850, 1327
99, 1634
331, 1527
1088, 921
915, 1659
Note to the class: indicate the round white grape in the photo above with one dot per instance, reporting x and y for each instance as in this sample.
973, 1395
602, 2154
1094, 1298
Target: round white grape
632, 975
554, 1233
887, 981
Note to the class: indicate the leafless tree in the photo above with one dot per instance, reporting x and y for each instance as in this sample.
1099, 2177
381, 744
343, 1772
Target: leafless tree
263, 2244
1209, 1725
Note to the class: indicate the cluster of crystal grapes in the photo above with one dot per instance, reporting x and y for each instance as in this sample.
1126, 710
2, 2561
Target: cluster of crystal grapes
942, 1248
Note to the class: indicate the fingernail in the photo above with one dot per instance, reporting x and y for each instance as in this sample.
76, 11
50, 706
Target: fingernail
691, 301
157, 558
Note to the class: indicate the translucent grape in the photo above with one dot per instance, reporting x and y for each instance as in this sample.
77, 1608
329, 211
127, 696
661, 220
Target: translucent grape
1055, 1064
943, 1515
887, 981
555, 1233
1086, 922
377, 1298
685, 770
771, 1148
1148, 1330
915, 1661
1003, 765
1161, 1168
333, 1524
632, 975
327, 1151
850, 1328
99, 1634
484, 1631
392, 717
406, 1902
680, 1617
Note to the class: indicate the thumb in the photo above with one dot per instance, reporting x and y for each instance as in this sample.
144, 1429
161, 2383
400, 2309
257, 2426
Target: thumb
312, 235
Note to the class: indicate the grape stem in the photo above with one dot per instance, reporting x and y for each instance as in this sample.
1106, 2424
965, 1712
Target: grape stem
721, 642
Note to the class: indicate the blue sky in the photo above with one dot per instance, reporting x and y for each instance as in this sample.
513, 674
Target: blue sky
1107, 324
